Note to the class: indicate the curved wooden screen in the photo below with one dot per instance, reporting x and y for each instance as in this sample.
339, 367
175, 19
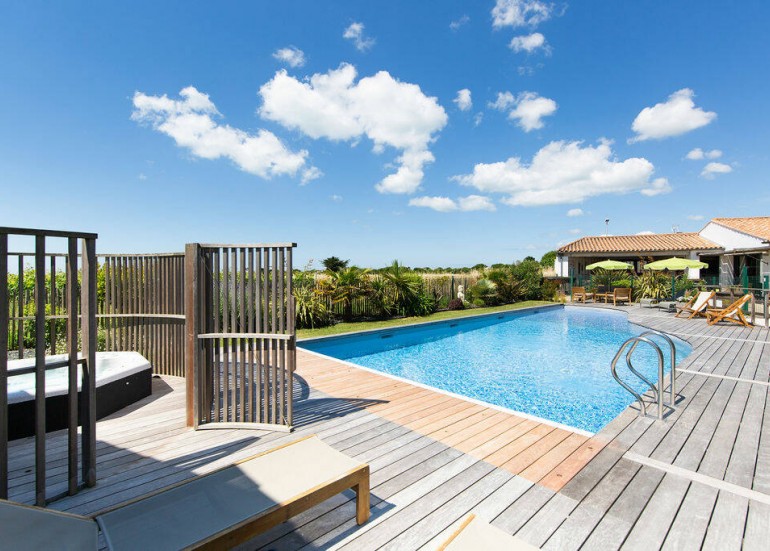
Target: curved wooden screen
241, 341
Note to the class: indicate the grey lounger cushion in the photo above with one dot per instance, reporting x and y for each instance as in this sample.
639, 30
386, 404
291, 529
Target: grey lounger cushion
202, 507
25, 528
475, 534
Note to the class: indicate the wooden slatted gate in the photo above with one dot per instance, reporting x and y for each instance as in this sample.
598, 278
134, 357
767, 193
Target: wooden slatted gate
240, 335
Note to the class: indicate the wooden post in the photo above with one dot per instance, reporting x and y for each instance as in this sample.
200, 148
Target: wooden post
89, 342
71, 306
39, 370
192, 322
4, 326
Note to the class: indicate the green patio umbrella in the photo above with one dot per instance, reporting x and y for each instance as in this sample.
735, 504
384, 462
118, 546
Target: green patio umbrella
675, 264
609, 265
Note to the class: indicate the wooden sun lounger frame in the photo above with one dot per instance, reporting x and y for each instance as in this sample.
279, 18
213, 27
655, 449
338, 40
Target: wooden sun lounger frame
687, 307
715, 315
513, 542
356, 479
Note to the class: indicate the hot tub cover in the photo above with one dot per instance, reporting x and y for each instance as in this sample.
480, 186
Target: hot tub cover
110, 366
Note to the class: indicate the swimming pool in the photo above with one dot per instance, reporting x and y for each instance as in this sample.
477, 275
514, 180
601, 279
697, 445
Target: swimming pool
551, 363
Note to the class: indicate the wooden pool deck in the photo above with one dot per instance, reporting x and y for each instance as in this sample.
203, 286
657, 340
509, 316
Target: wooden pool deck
699, 479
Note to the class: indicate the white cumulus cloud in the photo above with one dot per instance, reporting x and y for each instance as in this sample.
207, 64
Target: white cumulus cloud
576, 231
695, 217
565, 172
527, 109
698, 154
456, 24
291, 56
575, 212
445, 204
355, 33
520, 13
712, 169
677, 115
335, 106
463, 99
529, 43
309, 174
190, 121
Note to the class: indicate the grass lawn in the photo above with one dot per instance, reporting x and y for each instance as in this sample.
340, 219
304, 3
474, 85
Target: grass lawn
364, 325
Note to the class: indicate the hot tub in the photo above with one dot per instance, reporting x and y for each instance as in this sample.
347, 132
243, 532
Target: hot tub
122, 378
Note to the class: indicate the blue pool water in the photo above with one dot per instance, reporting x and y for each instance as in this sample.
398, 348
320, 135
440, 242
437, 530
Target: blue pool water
553, 363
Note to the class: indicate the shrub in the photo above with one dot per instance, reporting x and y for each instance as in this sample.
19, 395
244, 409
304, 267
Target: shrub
408, 291
509, 288
550, 290
478, 303
345, 286
380, 296
652, 285
530, 274
310, 307
455, 304
485, 291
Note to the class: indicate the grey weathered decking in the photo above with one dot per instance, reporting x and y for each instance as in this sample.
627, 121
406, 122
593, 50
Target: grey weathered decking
422, 487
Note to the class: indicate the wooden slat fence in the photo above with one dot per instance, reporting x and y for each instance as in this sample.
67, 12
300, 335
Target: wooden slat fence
143, 308
81, 352
241, 343
140, 307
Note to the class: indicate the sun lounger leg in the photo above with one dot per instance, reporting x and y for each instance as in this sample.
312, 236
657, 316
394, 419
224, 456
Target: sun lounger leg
362, 499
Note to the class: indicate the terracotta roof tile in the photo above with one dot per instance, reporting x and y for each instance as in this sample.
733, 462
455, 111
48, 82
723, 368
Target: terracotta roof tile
756, 226
658, 242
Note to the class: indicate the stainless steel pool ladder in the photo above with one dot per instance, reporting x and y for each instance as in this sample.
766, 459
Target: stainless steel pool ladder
659, 391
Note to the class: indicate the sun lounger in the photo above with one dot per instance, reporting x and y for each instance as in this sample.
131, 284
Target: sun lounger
621, 294
28, 528
217, 510
731, 313
579, 294
696, 306
474, 534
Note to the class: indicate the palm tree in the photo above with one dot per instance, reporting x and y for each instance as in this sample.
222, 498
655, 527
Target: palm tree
346, 285
334, 264
406, 287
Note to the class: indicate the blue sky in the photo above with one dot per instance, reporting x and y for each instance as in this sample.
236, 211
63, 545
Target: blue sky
355, 141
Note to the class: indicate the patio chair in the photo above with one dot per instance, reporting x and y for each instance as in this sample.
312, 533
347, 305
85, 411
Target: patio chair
696, 306
218, 510
579, 294
475, 534
731, 313
621, 294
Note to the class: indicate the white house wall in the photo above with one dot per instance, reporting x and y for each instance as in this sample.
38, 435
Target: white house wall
730, 239
561, 266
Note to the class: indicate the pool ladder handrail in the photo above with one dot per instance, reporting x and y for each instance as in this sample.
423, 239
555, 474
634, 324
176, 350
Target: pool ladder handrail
658, 391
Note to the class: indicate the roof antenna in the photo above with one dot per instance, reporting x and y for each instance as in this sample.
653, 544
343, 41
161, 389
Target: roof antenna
674, 229
606, 226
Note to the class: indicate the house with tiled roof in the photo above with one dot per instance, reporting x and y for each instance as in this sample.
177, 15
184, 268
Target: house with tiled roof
736, 250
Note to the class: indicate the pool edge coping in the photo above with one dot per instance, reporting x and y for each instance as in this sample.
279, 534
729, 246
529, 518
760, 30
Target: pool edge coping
428, 323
